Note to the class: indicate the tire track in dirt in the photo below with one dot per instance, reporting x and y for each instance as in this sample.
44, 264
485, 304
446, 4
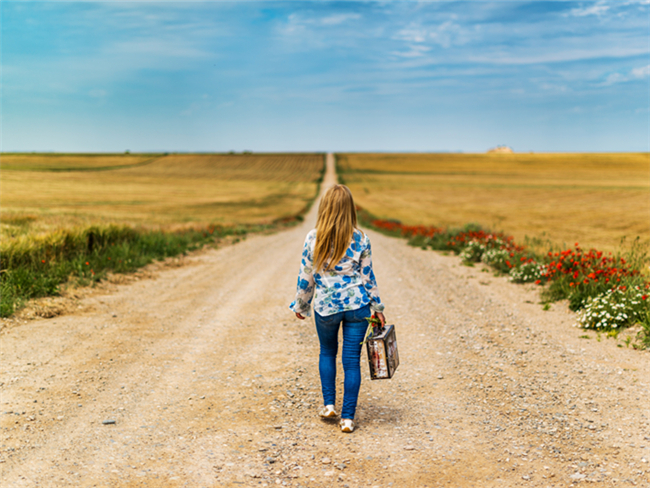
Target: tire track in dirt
212, 382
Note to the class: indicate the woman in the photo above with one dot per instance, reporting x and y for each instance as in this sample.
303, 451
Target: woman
337, 267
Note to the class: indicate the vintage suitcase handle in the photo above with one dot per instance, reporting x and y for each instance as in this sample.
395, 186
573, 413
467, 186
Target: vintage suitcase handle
372, 326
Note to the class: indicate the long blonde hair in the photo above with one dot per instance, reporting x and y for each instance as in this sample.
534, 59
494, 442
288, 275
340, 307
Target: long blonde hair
337, 219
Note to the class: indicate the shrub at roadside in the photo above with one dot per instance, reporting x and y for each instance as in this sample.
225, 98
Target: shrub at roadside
473, 252
35, 267
579, 275
529, 272
609, 290
616, 308
499, 259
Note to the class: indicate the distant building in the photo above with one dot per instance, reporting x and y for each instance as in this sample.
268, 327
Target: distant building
501, 149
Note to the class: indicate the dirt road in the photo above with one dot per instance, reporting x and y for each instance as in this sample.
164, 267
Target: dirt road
202, 377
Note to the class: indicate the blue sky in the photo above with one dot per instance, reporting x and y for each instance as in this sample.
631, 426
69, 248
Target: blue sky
314, 76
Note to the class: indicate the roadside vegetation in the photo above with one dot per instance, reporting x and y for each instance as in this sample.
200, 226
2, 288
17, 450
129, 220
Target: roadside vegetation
64, 221
609, 291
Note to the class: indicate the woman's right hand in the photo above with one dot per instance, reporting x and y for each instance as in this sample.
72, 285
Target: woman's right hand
381, 317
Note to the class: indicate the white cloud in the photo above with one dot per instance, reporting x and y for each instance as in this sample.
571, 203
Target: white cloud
297, 23
447, 34
338, 19
414, 51
553, 87
634, 74
613, 78
413, 33
642, 72
599, 9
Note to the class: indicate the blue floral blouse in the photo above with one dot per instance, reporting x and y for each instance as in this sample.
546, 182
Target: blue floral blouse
350, 285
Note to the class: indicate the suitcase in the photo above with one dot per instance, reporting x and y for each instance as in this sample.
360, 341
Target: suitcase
382, 353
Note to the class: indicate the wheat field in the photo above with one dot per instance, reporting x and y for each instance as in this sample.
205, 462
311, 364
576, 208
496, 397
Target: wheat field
41, 192
593, 199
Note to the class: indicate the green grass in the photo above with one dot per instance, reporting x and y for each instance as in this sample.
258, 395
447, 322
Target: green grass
37, 267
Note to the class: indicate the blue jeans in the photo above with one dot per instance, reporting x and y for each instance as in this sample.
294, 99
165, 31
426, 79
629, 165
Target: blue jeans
354, 330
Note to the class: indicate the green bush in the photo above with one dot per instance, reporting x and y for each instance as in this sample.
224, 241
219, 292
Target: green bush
473, 252
33, 267
528, 272
614, 309
499, 259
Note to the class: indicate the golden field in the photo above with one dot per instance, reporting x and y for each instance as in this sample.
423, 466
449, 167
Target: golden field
41, 192
593, 199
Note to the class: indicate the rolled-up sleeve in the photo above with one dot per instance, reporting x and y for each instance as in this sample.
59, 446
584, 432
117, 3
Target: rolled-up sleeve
368, 278
305, 286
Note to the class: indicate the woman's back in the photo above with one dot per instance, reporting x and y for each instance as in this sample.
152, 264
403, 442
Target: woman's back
348, 285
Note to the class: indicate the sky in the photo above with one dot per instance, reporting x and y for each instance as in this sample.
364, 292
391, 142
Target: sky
542, 76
